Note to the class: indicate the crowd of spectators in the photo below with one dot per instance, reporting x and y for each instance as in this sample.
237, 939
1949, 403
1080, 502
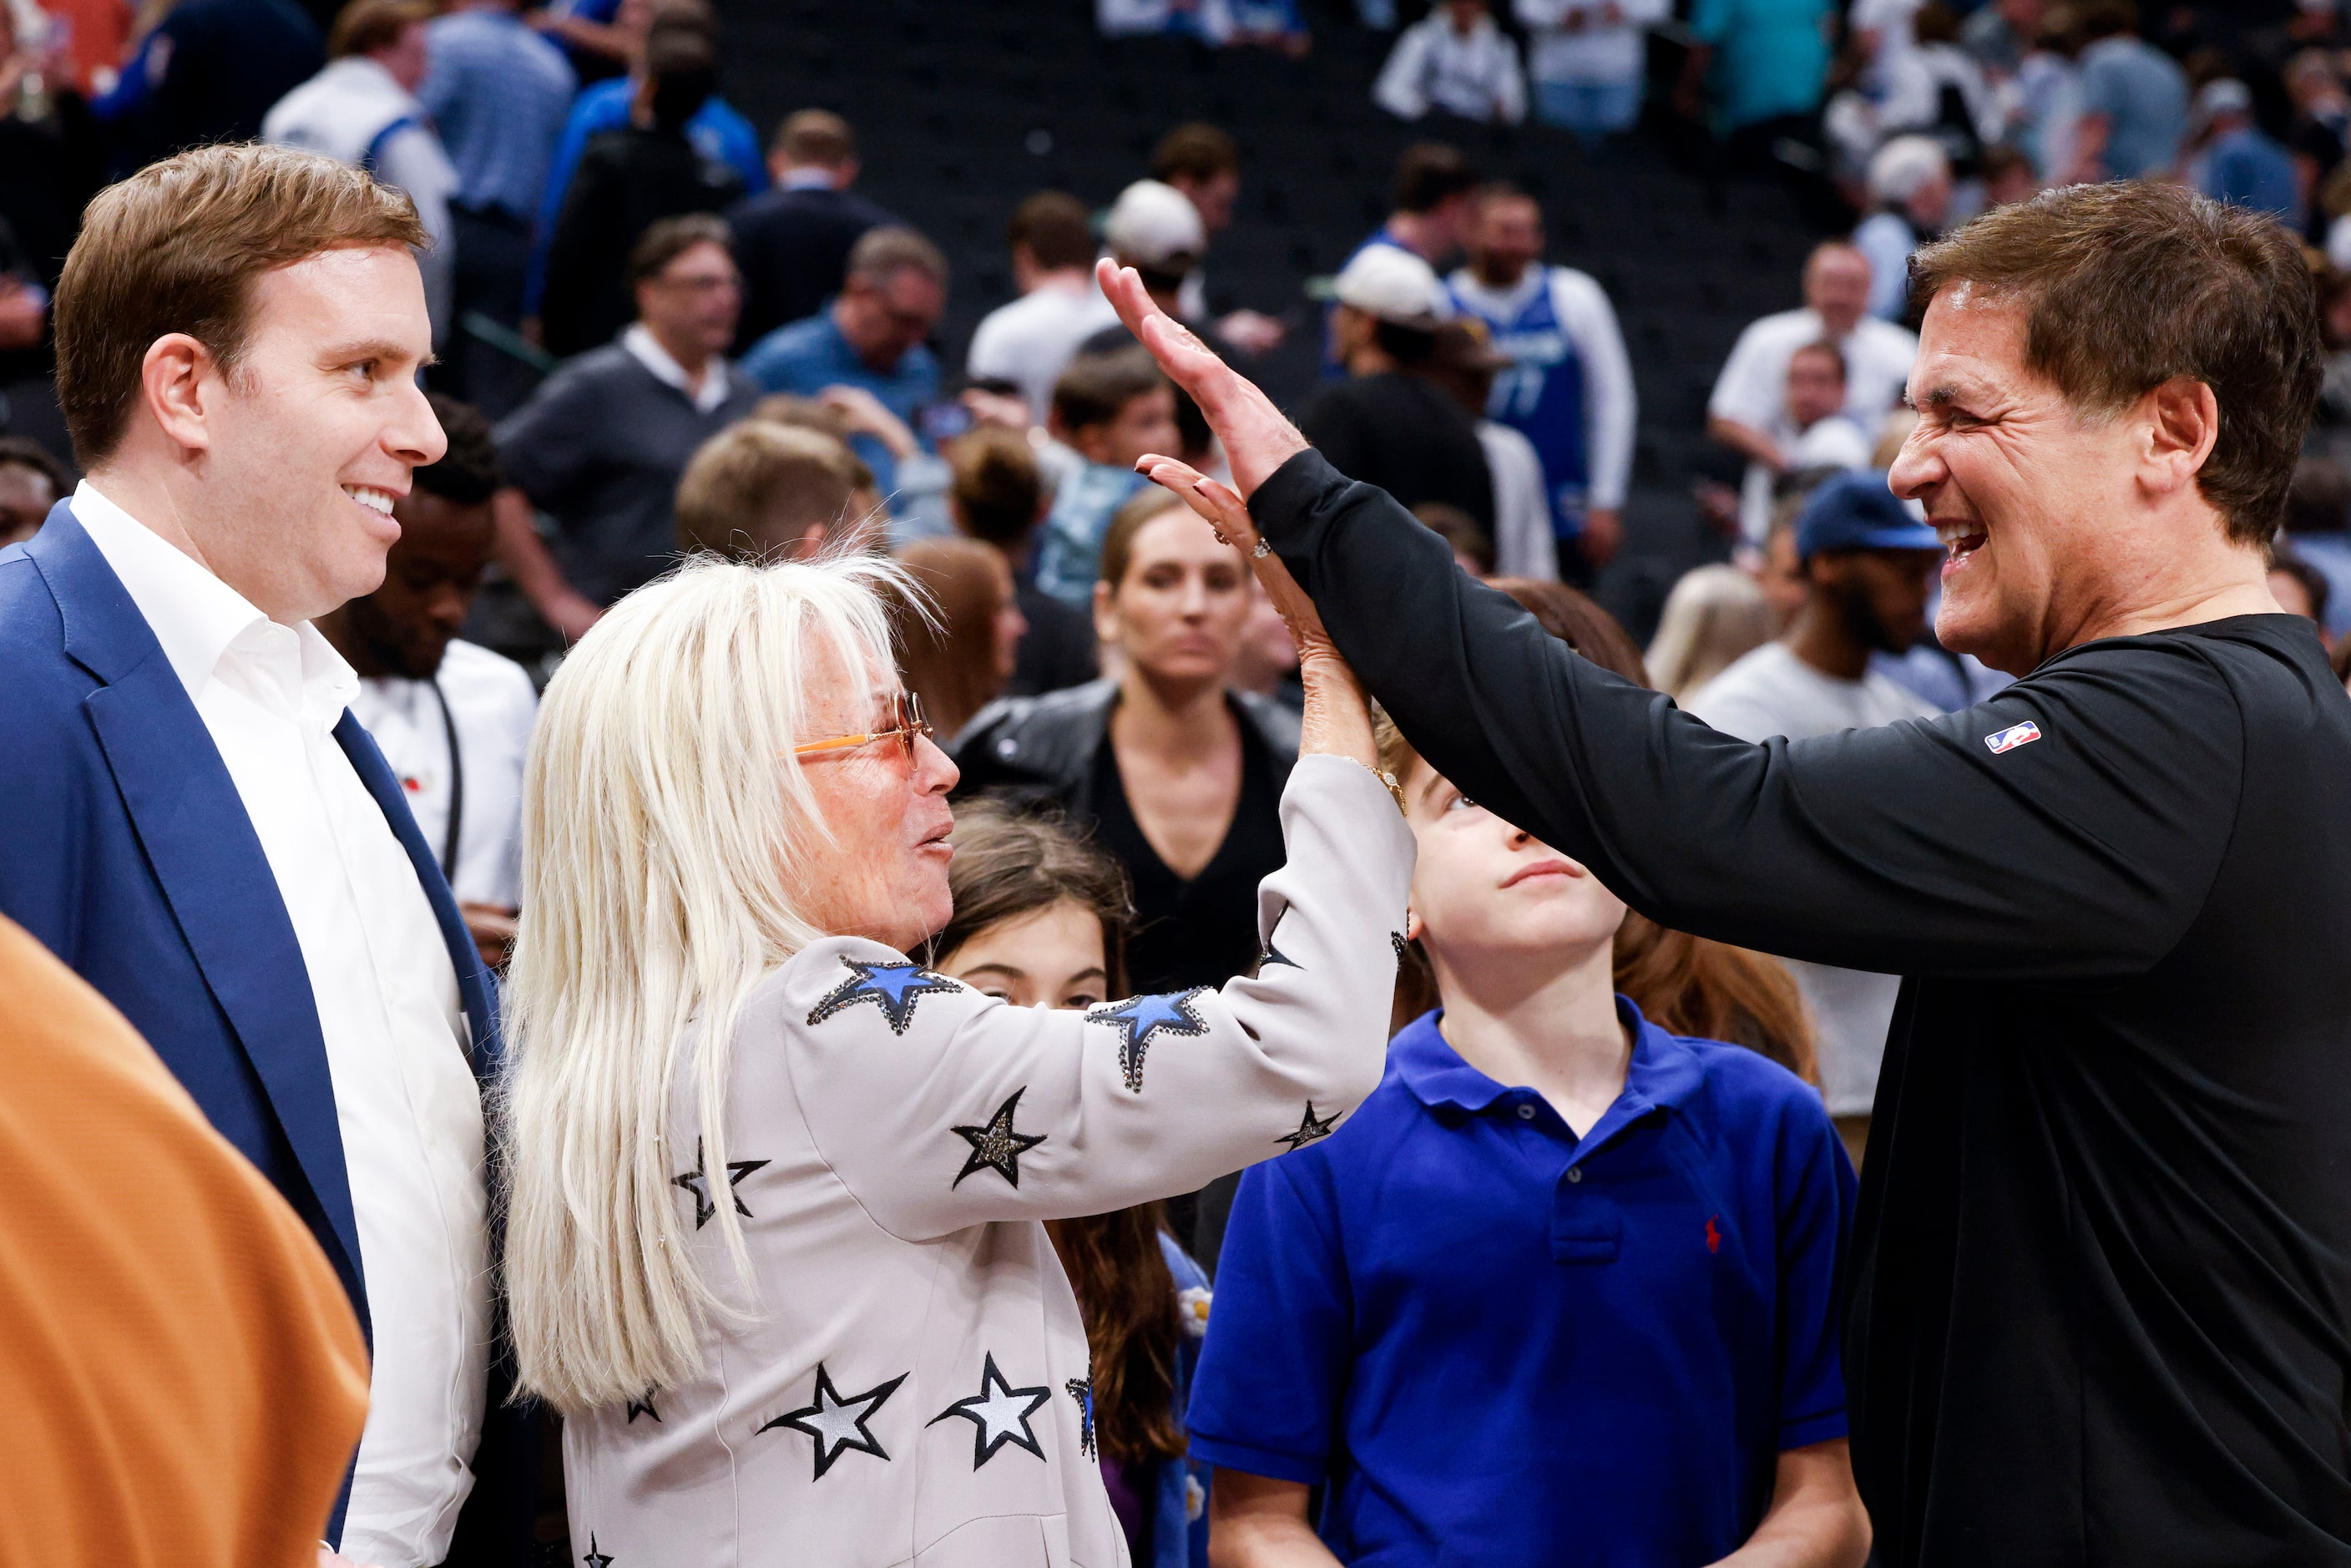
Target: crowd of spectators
657, 337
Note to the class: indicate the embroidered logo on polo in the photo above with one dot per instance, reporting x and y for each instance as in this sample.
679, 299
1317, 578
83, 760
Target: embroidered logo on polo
1082, 1389
643, 1407
999, 1145
998, 1414
595, 1559
697, 1182
893, 988
1142, 1019
2014, 736
1309, 1130
838, 1422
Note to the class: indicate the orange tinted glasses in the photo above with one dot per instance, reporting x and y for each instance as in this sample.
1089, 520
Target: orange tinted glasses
906, 722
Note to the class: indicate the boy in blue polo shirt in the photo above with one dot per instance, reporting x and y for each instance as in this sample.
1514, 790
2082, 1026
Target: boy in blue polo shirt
1565, 1289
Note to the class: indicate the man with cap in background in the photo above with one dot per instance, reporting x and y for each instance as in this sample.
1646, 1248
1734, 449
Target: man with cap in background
1867, 565
1387, 424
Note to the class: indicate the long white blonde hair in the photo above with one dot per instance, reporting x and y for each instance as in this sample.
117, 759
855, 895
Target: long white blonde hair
661, 808
1714, 614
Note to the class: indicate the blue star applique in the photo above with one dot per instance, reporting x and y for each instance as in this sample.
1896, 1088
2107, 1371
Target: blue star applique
1142, 1019
1082, 1389
893, 988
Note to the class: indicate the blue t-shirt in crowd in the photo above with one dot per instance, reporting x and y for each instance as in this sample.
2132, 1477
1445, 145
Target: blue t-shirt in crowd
2143, 93
1498, 1344
2246, 167
1770, 58
807, 356
499, 92
1069, 545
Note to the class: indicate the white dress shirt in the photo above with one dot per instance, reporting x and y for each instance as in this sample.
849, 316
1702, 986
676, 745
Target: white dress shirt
405, 1099
488, 701
904, 1378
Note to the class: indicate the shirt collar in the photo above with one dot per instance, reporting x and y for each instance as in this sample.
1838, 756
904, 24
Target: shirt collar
1663, 1072
646, 350
807, 180
199, 620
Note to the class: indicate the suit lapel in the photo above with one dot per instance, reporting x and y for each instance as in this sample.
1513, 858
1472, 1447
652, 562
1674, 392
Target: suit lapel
214, 876
475, 991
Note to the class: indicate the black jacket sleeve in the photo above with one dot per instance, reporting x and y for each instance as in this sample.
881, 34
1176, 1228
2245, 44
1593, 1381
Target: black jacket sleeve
1912, 849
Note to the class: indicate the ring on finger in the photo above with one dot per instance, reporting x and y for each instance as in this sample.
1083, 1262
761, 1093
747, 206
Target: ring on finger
1263, 550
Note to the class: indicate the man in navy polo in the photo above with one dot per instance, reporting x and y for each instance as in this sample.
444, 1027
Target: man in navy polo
1592, 1321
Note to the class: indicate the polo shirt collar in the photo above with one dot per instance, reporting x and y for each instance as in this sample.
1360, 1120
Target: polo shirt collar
1664, 1072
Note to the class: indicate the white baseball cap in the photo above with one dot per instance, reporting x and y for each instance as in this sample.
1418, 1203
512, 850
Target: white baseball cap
1391, 283
1152, 224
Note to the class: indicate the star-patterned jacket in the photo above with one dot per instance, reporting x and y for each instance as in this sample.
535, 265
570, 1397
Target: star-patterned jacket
906, 1379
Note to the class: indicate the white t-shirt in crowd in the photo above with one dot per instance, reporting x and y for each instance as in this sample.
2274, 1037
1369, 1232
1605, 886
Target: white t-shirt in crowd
1771, 692
1030, 341
1831, 443
1596, 51
489, 702
1753, 386
406, 1106
1476, 77
1524, 542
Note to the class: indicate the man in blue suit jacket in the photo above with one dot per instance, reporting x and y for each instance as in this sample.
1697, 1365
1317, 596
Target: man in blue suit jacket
198, 825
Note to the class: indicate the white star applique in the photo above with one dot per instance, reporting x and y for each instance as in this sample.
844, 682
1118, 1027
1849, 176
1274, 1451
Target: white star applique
998, 1414
837, 1424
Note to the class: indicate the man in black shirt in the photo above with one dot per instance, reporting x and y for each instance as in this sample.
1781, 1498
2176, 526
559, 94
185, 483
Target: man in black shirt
1388, 424
792, 242
2101, 1276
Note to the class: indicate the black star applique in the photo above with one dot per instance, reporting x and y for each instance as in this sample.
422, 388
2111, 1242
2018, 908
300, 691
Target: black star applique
1395, 940
697, 1182
999, 1145
595, 1559
643, 1407
837, 1425
893, 988
1272, 956
1082, 1389
998, 1414
1309, 1130
1141, 1020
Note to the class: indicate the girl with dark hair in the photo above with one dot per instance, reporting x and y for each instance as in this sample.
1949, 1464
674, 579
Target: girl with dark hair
1040, 919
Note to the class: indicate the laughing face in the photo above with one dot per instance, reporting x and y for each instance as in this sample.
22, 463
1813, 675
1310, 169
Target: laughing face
2021, 486
319, 427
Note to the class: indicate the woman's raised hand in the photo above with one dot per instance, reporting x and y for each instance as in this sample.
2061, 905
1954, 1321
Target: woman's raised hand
1255, 436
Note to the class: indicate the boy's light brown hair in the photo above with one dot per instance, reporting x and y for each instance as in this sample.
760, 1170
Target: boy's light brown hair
754, 490
178, 247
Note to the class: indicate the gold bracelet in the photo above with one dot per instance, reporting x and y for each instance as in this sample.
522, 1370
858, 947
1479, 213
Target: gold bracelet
1396, 789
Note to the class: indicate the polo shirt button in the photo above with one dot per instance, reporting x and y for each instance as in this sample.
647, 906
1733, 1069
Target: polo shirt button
1526, 1112
1574, 1174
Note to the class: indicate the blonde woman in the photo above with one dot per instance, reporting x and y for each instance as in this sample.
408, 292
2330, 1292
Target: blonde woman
1714, 614
777, 1246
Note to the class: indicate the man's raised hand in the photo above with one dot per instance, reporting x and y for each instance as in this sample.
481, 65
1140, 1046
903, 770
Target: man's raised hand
1256, 437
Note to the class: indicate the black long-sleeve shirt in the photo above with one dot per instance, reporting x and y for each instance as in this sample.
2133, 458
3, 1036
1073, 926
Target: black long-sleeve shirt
2102, 1270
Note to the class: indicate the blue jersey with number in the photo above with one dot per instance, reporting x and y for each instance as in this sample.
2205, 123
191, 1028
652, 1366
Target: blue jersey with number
1541, 397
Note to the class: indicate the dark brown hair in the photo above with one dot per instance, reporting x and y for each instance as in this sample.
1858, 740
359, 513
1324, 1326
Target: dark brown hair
1683, 984
664, 241
948, 659
1008, 865
1429, 173
1195, 150
1096, 387
178, 246
2128, 286
1118, 540
756, 489
815, 138
1056, 228
997, 488
363, 26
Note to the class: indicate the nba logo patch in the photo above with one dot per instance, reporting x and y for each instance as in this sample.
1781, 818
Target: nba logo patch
2014, 736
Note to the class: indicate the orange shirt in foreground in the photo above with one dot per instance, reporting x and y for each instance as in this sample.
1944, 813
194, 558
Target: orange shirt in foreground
183, 1379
